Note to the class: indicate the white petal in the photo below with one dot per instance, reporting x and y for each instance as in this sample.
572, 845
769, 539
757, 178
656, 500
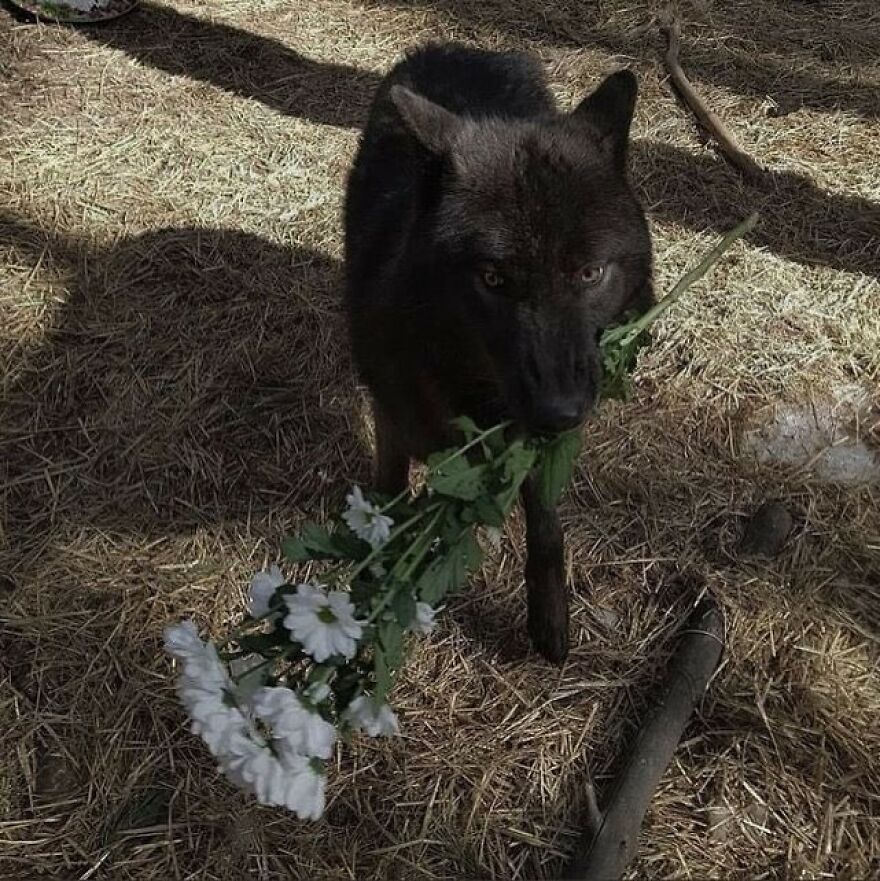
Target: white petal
424, 620
318, 693
182, 640
206, 669
376, 721
356, 500
319, 644
262, 588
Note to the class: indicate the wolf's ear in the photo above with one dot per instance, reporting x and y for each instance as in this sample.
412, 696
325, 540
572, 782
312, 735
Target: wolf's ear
609, 111
434, 126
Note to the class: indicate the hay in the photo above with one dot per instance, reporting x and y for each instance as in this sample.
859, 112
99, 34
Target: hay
175, 396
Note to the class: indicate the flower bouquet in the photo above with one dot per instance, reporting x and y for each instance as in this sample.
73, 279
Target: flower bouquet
315, 660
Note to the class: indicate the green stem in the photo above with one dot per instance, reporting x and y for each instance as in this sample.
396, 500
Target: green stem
398, 498
239, 631
425, 538
478, 439
394, 534
694, 275
268, 662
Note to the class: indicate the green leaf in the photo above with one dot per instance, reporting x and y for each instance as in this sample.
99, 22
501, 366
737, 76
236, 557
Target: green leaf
388, 656
556, 464
485, 511
391, 638
381, 673
436, 459
467, 426
471, 552
458, 479
518, 461
317, 538
449, 571
249, 682
318, 543
619, 348
404, 607
295, 550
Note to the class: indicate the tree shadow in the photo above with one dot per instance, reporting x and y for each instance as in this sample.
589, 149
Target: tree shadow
777, 54
815, 227
241, 63
818, 227
192, 376
802, 222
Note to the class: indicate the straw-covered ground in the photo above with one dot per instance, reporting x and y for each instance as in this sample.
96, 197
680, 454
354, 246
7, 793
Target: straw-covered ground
176, 395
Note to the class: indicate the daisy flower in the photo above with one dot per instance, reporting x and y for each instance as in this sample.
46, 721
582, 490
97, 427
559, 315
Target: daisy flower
295, 722
323, 622
262, 589
424, 621
377, 720
365, 521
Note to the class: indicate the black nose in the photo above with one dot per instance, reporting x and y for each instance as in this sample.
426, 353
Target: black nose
555, 414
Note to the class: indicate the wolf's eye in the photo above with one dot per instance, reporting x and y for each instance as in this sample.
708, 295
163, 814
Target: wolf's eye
492, 278
592, 274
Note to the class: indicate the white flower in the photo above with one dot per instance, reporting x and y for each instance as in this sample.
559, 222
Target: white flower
202, 669
262, 589
80, 5
217, 724
376, 719
203, 687
206, 670
182, 641
494, 536
424, 621
249, 763
294, 722
214, 718
291, 780
301, 789
323, 622
365, 520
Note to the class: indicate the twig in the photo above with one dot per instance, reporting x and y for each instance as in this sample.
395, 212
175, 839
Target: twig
711, 124
612, 845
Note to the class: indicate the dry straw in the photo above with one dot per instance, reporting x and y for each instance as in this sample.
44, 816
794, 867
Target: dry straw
175, 395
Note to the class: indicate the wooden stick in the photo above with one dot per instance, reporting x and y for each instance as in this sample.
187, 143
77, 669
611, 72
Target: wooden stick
708, 121
610, 847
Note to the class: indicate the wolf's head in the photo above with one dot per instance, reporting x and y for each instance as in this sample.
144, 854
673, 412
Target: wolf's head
540, 240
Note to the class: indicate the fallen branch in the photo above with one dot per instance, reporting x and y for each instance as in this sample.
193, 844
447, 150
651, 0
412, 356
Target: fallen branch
612, 838
708, 121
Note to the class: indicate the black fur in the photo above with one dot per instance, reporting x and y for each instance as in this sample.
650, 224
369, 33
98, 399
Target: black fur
476, 217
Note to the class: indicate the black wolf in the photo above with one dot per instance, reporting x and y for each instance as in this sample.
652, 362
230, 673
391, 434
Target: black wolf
489, 240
